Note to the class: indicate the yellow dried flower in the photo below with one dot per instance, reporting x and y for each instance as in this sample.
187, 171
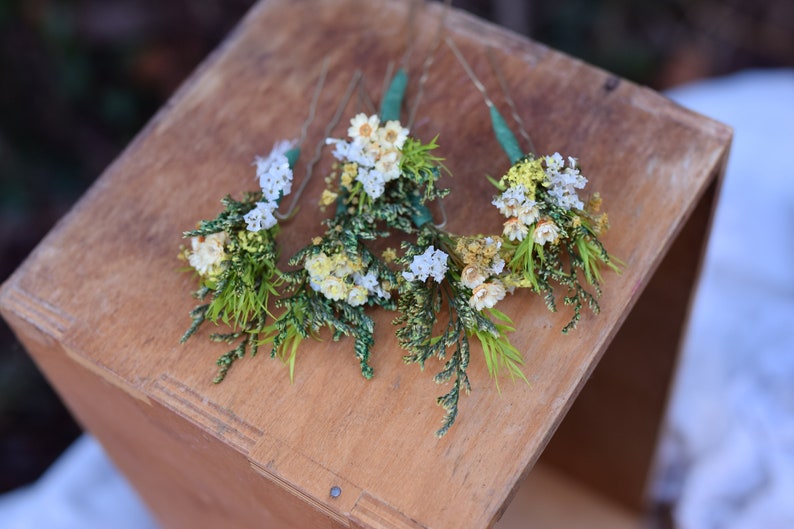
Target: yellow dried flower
527, 173
389, 255
328, 197
594, 204
349, 173
602, 224
334, 288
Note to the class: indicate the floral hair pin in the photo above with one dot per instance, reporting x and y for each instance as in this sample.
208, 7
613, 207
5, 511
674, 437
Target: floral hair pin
234, 255
551, 234
381, 181
463, 275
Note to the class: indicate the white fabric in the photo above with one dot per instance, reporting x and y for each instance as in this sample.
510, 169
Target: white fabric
728, 457
81, 490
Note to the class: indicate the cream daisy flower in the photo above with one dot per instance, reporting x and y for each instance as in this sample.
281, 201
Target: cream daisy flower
392, 135
363, 127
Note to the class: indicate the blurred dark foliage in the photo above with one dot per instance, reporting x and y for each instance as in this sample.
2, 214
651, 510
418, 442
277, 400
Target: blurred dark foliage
79, 78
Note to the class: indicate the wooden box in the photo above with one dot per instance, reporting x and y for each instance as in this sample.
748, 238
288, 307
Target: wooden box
100, 304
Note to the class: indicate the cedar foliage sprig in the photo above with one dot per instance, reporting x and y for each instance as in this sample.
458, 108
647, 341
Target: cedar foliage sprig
552, 235
337, 275
238, 288
424, 334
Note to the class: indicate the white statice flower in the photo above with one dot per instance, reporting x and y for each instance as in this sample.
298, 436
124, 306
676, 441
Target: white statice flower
276, 157
368, 280
497, 266
341, 148
546, 231
486, 295
261, 217
392, 135
276, 182
373, 181
554, 162
363, 127
472, 276
510, 200
361, 153
515, 230
208, 253
432, 263
382, 292
564, 181
357, 295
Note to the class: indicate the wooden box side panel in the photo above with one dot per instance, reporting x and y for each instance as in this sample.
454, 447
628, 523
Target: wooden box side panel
187, 474
608, 438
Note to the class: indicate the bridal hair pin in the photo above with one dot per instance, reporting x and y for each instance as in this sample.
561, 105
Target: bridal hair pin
551, 235
381, 181
234, 255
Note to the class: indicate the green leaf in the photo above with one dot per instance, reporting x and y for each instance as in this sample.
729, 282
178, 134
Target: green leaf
393, 98
505, 136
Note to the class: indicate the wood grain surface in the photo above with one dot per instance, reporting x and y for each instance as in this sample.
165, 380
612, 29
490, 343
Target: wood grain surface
101, 305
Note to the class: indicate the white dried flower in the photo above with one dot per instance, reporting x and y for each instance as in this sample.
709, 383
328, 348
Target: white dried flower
510, 200
528, 212
472, 276
487, 295
515, 230
373, 181
261, 217
388, 164
208, 253
546, 231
